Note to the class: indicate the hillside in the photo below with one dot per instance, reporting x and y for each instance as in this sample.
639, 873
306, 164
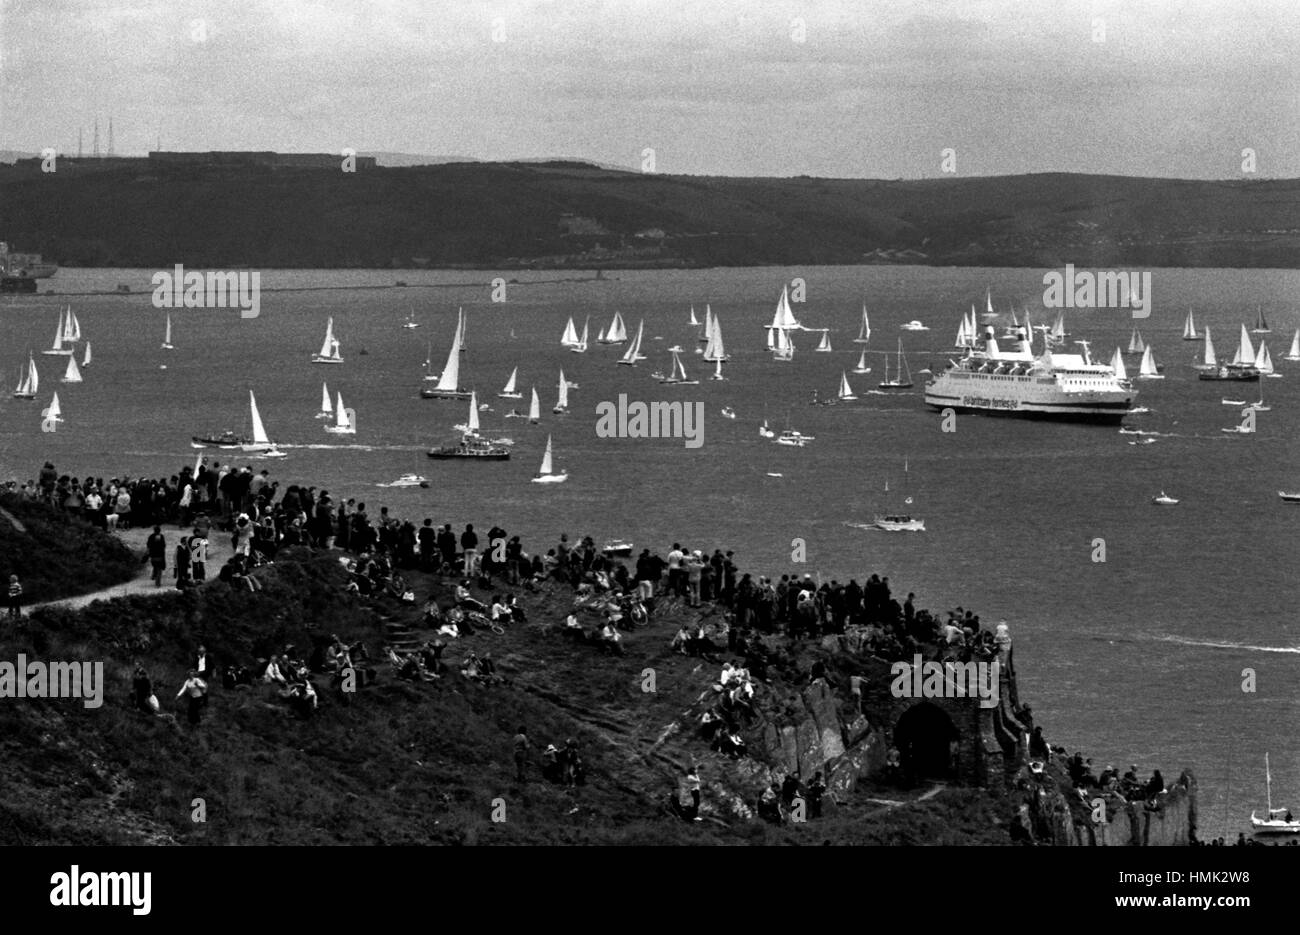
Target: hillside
429, 762
56, 556
556, 214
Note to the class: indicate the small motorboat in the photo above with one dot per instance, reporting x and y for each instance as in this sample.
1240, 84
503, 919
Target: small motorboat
1289, 496
914, 325
408, 480
1233, 402
794, 439
1164, 500
617, 548
900, 523
728, 412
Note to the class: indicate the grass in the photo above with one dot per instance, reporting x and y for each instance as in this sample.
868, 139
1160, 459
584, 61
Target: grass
59, 556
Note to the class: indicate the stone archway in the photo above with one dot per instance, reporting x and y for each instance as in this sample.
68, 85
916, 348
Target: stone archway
924, 736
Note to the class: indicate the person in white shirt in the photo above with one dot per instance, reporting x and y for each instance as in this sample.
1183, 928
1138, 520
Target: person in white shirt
273, 673
195, 688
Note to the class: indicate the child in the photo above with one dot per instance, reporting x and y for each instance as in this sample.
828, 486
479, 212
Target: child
15, 597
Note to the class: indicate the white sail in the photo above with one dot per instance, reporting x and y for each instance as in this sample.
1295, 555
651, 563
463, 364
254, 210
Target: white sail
570, 336
547, 459
327, 345
1189, 328
55, 411
862, 364
72, 374
85, 360
717, 370
618, 329
600, 337
694, 322
961, 340
825, 346
581, 344
783, 320
509, 388
846, 391
259, 430
1261, 326
1148, 367
784, 347
988, 301
325, 407
473, 422
1058, 327
450, 378
462, 323
58, 336
341, 415
633, 352
714, 350
708, 323
535, 408
1135, 345
864, 332
71, 327
679, 369
1245, 351
1117, 364
167, 337
563, 401
29, 383
1263, 360
1210, 359
1295, 346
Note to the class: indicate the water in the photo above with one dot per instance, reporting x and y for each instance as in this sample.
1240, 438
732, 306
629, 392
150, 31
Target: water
1139, 659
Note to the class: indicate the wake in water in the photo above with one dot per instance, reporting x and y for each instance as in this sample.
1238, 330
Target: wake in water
358, 447
1214, 644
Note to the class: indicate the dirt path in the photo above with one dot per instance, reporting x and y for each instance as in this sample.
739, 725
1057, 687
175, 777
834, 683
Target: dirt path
142, 583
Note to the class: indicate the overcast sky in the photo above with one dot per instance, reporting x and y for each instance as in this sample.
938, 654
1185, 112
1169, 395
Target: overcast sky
850, 88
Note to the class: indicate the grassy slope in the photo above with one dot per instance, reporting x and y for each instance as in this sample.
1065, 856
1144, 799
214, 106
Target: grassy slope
58, 556
402, 763
493, 213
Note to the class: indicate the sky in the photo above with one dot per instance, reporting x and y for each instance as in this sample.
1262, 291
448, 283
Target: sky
838, 88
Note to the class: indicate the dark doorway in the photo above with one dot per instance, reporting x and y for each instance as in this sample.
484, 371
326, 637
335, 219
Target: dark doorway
926, 739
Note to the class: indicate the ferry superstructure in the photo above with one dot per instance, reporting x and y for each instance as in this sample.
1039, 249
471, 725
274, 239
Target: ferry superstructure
1051, 385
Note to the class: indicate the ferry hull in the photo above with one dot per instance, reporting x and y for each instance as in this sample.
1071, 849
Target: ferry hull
1097, 413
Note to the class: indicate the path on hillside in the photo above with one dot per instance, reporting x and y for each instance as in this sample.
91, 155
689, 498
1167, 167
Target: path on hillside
894, 803
142, 583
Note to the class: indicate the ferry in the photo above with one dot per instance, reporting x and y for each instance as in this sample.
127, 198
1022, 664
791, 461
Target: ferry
1069, 387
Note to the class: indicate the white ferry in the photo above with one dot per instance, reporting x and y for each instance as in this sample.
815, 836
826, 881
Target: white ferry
1017, 383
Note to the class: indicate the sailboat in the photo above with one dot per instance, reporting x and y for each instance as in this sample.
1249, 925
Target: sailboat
717, 370
706, 333
898, 383
508, 391
535, 409
329, 348
1135, 344
1279, 820
167, 337
1058, 334
1117, 364
965, 331
72, 374
864, 332
562, 404
29, 383
633, 352
85, 359
1261, 326
678, 376
617, 332
1164, 500
715, 350
326, 410
471, 425
58, 349
581, 346
1263, 361
261, 443
900, 522
448, 385
410, 321
570, 336
546, 473
1208, 359
782, 321
846, 391
825, 346
471, 444
342, 424
862, 364
1245, 355
1148, 370
1294, 353
54, 413
694, 322
765, 431
1189, 328
784, 347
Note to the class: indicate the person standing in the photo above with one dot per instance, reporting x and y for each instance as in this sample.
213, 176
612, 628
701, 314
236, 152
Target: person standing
198, 556
15, 597
521, 753
156, 546
469, 546
193, 690
693, 786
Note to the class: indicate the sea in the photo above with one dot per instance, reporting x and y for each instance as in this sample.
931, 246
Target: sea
1180, 649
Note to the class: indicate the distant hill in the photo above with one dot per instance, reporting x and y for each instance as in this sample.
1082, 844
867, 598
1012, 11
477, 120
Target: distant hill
562, 213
